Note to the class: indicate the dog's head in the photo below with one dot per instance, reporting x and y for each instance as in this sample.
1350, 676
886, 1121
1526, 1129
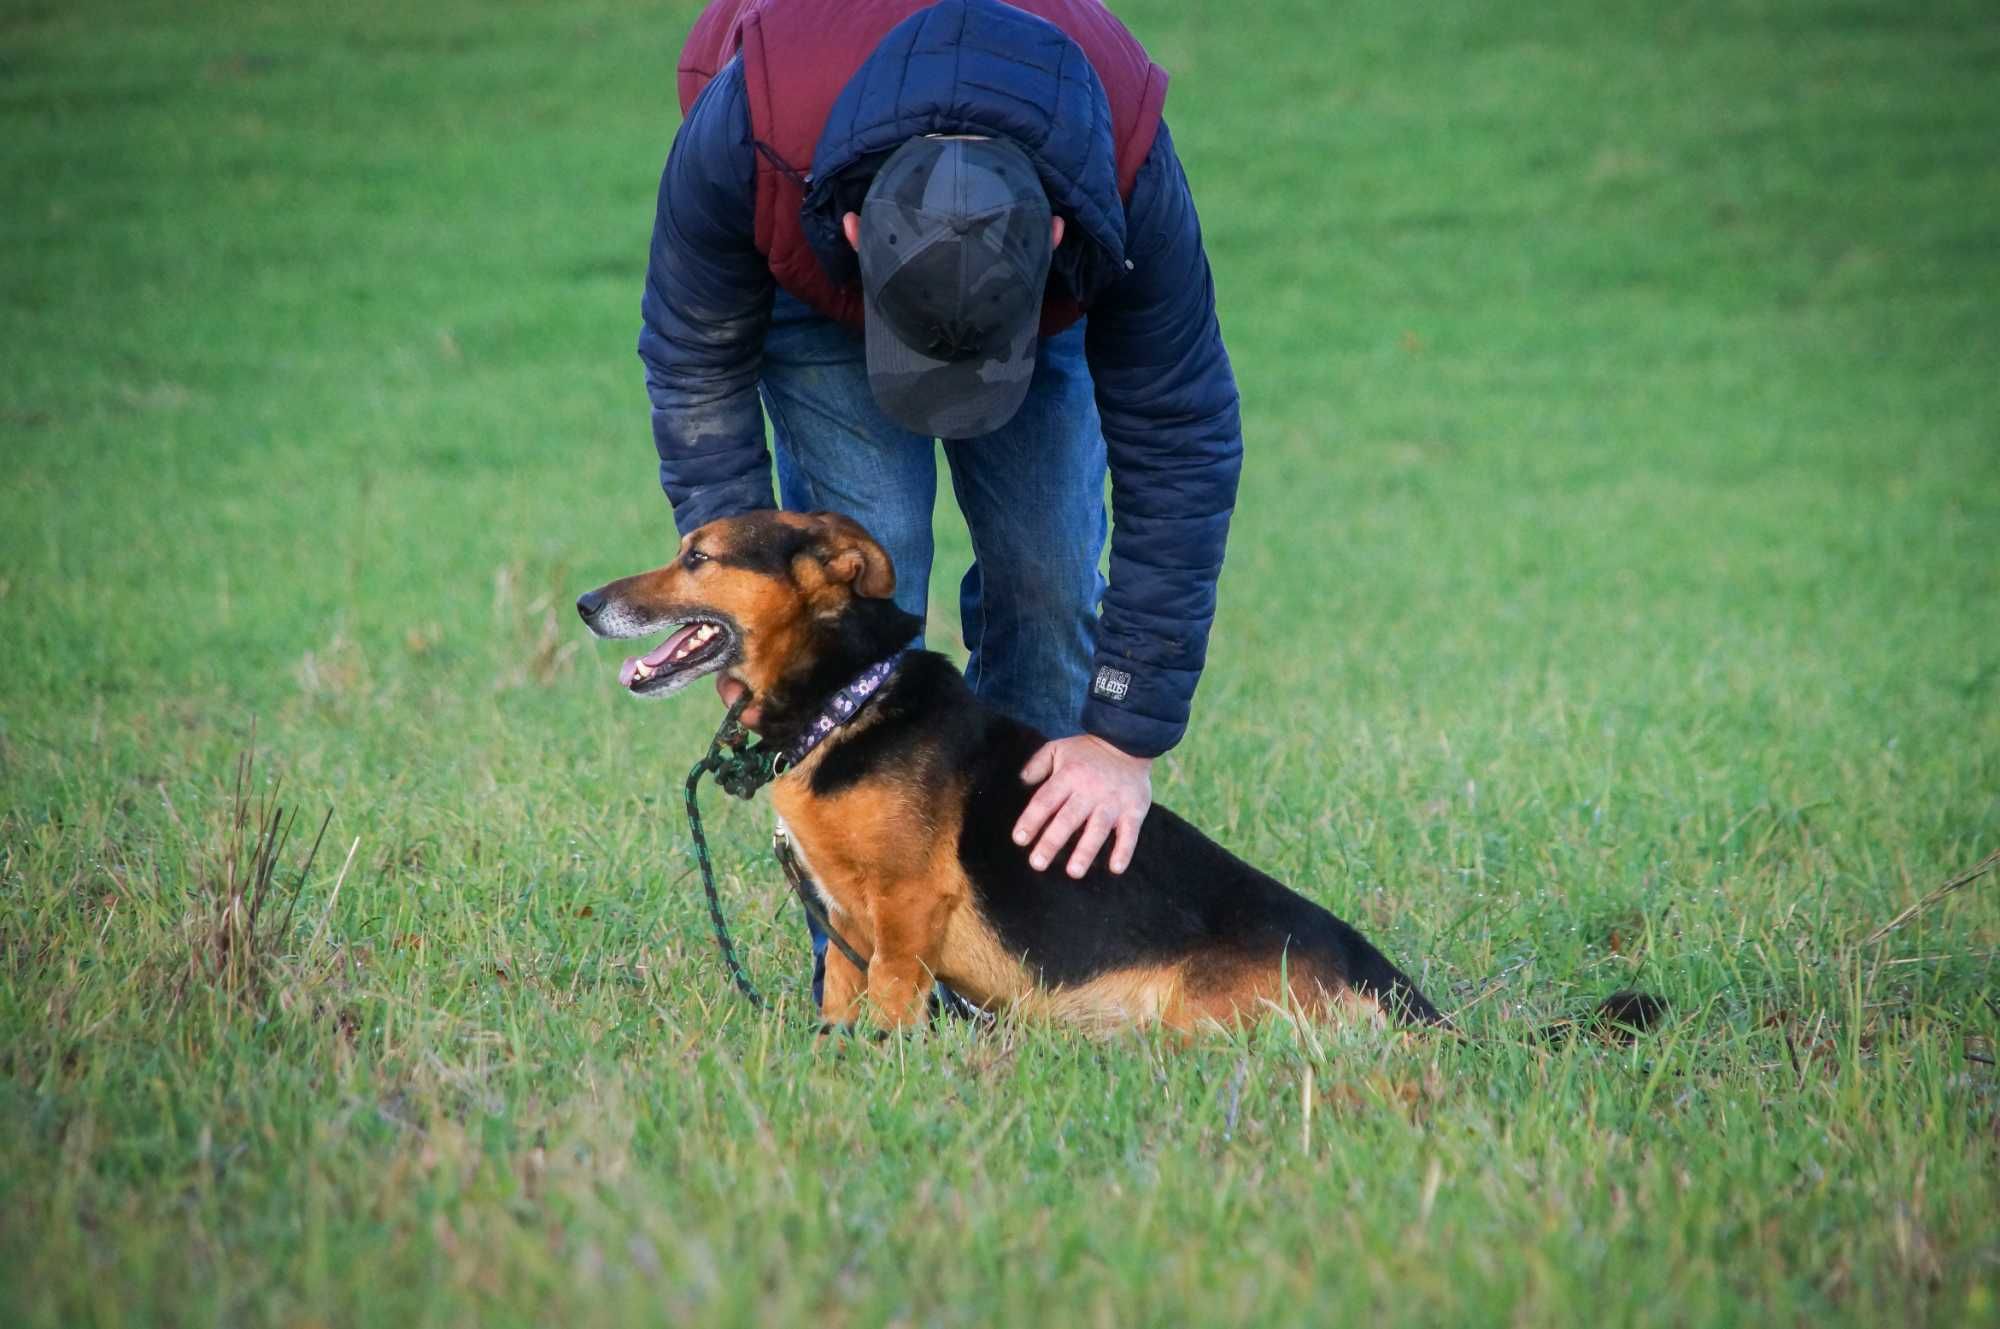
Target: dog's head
770, 599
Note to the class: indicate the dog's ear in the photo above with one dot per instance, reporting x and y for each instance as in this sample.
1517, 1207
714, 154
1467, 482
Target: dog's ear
851, 555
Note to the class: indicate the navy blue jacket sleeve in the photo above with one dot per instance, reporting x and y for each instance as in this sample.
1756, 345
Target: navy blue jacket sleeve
707, 306
1174, 441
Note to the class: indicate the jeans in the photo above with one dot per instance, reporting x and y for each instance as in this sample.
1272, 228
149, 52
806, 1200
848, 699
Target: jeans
1032, 493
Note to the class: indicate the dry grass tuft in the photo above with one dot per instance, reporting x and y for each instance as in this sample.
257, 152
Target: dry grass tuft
235, 932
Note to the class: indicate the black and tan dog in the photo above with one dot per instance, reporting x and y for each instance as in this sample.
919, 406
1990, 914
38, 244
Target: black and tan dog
903, 814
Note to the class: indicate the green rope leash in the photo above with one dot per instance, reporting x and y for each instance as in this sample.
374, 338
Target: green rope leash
741, 770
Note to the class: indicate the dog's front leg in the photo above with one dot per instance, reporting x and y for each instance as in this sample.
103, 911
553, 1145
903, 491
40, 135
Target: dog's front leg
908, 929
841, 989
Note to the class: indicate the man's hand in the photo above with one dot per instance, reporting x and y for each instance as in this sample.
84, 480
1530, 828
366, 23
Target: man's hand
1084, 782
730, 690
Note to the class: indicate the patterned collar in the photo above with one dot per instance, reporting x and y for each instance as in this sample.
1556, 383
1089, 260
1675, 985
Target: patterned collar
844, 706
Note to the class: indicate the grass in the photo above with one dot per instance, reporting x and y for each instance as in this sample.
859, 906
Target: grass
1610, 602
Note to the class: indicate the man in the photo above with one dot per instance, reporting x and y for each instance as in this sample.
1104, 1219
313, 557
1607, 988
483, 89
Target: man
965, 222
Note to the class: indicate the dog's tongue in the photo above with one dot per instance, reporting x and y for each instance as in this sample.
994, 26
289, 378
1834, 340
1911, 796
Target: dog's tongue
656, 657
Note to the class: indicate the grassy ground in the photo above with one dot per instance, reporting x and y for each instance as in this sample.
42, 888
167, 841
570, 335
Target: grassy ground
1610, 602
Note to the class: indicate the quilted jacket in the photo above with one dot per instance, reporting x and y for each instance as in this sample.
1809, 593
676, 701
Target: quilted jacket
1165, 393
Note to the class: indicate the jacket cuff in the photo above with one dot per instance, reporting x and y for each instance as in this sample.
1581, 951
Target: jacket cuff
1134, 735
1138, 709
730, 499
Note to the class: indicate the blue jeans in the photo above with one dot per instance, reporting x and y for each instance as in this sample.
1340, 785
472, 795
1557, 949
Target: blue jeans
1032, 493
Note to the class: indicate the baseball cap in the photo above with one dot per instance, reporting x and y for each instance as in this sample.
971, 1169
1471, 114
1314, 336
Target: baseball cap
954, 250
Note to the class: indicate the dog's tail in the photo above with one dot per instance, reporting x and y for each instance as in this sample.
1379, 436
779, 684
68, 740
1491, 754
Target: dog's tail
1619, 1018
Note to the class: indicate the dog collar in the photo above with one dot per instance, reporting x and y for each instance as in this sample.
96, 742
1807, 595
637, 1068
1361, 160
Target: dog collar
842, 707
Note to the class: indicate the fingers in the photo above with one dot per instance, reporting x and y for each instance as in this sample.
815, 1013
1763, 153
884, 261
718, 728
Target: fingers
733, 690
1126, 842
1095, 832
1056, 834
1040, 766
1040, 808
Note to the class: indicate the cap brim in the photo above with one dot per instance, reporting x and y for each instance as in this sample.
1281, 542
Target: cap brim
947, 398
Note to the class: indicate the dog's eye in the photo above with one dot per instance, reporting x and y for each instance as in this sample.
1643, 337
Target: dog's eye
694, 558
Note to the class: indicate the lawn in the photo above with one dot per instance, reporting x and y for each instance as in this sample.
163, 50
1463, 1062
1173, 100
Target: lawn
1610, 602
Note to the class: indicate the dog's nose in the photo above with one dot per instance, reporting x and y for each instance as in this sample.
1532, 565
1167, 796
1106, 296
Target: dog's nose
589, 603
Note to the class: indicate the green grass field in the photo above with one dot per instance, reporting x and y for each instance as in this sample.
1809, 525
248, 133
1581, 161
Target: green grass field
1610, 602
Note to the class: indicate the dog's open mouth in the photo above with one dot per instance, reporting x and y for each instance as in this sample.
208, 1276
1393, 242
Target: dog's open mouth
699, 646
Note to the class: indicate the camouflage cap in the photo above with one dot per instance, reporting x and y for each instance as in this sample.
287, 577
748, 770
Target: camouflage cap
954, 253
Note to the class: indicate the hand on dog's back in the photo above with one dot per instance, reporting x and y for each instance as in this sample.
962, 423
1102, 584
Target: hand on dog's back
1087, 785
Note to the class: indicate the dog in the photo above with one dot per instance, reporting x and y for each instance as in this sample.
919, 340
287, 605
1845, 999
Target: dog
903, 812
